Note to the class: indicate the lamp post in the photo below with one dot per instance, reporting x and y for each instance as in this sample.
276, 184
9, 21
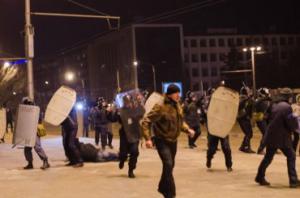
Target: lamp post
253, 51
136, 63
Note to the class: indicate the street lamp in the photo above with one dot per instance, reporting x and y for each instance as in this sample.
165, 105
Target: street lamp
6, 65
135, 63
253, 50
69, 76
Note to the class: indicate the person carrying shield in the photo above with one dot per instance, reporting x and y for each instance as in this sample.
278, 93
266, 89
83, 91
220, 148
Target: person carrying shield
167, 123
37, 147
129, 117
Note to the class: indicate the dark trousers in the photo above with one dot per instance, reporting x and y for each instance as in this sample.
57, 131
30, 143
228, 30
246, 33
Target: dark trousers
295, 140
86, 130
167, 152
38, 149
101, 131
291, 163
246, 127
262, 126
11, 125
69, 143
131, 149
213, 145
192, 140
109, 137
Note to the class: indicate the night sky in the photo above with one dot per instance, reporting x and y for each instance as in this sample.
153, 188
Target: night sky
52, 33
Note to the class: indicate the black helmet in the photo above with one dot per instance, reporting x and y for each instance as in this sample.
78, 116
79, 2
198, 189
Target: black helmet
210, 91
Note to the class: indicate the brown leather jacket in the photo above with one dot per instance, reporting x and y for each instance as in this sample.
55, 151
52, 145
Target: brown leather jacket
166, 120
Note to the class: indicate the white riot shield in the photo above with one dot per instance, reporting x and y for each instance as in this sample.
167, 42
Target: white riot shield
60, 105
155, 98
222, 111
26, 125
2, 122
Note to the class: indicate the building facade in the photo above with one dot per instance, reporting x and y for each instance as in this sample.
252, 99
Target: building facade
206, 56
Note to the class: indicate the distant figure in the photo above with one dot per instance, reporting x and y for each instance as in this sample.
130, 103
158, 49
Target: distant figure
9, 120
86, 122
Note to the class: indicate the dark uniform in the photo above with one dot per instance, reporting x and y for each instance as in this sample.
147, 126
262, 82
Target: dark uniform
278, 136
192, 116
90, 153
101, 121
212, 143
244, 120
130, 134
261, 107
69, 132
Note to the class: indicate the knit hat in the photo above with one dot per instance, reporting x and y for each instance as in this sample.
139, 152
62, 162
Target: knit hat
172, 88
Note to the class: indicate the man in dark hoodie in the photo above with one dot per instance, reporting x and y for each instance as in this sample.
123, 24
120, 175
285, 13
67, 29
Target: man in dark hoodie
278, 136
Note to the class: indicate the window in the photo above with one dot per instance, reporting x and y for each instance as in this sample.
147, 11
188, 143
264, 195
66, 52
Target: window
212, 42
204, 72
230, 42
265, 41
240, 56
248, 41
257, 41
213, 57
185, 43
195, 72
205, 85
283, 55
214, 71
196, 87
221, 42
222, 57
203, 57
186, 58
274, 41
193, 43
203, 43
239, 41
291, 40
194, 58
282, 41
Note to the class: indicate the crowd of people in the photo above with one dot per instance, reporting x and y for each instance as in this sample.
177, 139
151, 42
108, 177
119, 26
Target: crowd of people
273, 114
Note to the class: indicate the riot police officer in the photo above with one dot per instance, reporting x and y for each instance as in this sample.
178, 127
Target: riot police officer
192, 116
101, 121
244, 119
278, 136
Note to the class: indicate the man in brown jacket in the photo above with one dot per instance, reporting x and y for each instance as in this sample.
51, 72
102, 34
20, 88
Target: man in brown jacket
167, 123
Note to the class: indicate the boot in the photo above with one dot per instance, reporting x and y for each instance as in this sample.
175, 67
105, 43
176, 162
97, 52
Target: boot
78, 165
45, 165
29, 166
229, 169
262, 181
208, 163
121, 164
131, 174
295, 184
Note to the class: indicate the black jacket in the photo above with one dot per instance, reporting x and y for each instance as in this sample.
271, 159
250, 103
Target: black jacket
281, 125
192, 114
